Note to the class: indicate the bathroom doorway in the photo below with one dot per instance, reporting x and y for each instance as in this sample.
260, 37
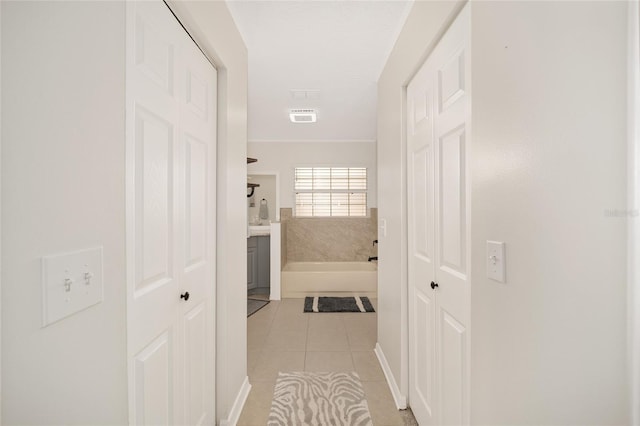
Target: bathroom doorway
263, 215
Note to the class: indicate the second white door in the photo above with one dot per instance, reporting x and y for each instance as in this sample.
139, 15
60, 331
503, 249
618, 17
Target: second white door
438, 108
171, 157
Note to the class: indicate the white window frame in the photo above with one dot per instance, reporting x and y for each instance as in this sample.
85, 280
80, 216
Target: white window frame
322, 189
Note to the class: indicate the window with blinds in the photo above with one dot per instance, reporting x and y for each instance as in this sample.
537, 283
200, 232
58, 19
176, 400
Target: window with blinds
331, 191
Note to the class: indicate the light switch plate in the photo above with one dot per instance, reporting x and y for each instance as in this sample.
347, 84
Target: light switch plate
496, 261
71, 282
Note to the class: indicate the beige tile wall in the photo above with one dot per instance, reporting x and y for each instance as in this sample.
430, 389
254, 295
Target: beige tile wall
328, 239
283, 238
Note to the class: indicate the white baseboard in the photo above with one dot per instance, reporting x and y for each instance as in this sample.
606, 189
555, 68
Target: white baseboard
238, 404
400, 400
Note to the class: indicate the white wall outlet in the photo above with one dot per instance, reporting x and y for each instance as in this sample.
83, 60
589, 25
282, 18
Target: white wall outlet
71, 282
496, 261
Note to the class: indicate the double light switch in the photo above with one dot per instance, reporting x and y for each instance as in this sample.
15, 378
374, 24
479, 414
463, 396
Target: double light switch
71, 282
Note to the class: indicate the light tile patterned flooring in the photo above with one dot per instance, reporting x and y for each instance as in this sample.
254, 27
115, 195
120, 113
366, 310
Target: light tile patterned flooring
281, 337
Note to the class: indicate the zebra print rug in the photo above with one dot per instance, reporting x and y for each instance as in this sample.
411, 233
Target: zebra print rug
319, 399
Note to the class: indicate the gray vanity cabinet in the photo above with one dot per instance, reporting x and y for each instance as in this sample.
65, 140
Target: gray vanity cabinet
258, 262
252, 263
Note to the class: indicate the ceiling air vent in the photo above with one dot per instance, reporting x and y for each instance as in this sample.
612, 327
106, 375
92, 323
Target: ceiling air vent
302, 115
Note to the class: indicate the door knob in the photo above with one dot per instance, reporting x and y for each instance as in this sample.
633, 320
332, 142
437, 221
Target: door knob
185, 296
433, 285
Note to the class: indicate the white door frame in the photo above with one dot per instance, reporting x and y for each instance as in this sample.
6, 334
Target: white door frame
633, 206
0, 224
275, 239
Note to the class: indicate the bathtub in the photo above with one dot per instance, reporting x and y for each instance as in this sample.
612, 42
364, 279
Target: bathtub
300, 279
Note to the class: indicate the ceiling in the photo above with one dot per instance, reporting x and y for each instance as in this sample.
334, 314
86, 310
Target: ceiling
317, 54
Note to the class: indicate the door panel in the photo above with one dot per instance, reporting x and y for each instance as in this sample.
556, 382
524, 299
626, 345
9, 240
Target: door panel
153, 382
454, 353
195, 202
451, 81
171, 145
252, 268
198, 125
196, 90
452, 222
424, 352
195, 326
452, 201
151, 216
422, 199
421, 111
153, 201
438, 231
154, 51
421, 238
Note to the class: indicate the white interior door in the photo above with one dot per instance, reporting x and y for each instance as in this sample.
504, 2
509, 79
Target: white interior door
439, 310
198, 124
171, 147
421, 238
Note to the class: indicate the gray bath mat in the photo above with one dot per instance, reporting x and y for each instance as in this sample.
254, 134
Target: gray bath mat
337, 304
254, 305
319, 399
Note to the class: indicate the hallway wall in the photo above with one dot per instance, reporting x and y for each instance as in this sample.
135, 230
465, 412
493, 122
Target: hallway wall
63, 187
63, 159
548, 174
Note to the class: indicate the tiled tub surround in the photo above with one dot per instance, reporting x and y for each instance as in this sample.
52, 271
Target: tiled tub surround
329, 239
328, 256
283, 241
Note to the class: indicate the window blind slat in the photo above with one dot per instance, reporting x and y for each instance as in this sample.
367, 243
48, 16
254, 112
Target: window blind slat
330, 191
